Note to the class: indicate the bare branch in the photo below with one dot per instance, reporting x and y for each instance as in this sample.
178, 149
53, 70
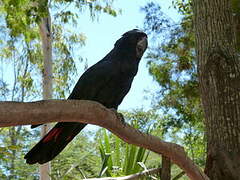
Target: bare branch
131, 177
166, 168
179, 175
17, 113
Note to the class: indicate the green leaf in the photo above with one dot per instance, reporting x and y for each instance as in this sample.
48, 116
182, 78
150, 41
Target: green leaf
117, 161
12, 147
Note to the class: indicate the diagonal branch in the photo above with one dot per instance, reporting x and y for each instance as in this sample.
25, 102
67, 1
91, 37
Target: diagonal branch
17, 113
179, 175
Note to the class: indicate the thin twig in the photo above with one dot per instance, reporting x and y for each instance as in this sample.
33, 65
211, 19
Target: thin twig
131, 177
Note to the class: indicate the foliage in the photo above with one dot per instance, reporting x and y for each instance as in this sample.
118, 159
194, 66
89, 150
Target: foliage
23, 31
172, 63
23, 15
22, 66
78, 160
15, 142
119, 158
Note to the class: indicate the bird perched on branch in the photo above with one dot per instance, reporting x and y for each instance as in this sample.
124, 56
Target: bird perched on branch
107, 82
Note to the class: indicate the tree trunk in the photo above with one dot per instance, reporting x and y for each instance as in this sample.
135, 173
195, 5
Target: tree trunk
13, 141
46, 36
219, 76
166, 169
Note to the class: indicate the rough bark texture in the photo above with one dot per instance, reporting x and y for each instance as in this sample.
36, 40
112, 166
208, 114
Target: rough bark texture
17, 113
219, 76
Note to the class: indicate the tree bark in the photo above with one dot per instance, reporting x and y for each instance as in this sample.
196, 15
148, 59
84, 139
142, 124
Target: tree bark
17, 113
166, 169
219, 76
46, 37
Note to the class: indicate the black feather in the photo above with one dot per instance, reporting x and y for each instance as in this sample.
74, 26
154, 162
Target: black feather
106, 82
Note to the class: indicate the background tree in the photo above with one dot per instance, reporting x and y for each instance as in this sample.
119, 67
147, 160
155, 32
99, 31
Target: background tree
218, 64
21, 48
45, 31
172, 63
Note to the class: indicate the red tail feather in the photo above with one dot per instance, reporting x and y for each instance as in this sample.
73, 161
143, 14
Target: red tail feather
54, 133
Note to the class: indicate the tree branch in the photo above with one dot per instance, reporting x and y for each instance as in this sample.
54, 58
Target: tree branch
18, 113
131, 177
179, 175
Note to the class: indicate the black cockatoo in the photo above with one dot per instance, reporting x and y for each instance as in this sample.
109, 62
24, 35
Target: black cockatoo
107, 82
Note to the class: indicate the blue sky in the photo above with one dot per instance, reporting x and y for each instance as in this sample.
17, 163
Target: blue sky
102, 34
